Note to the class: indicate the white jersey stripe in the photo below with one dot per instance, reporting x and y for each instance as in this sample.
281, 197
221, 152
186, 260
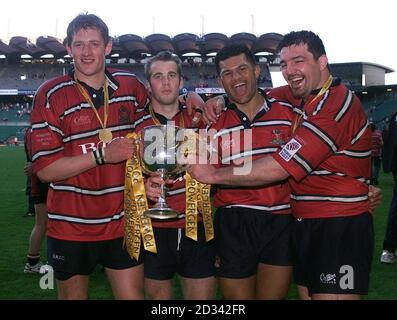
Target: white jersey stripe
226, 131
271, 123
57, 87
85, 221
358, 136
248, 153
176, 192
85, 191
329, 173
79, 107
345, 106
355, 154
263, 208
329, 198
320, 134
43, 125
140, 120
303, 163
45, 153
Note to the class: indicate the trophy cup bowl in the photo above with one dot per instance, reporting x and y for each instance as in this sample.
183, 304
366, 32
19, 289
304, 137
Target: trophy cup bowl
158, 153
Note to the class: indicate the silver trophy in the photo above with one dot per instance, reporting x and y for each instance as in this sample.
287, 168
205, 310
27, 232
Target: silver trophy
160, 149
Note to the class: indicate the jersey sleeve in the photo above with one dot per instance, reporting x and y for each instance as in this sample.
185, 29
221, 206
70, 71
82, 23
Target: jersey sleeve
140, 93
284, 94
333, 127
47, 143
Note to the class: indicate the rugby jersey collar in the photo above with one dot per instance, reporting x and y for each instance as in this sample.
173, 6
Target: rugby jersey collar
335, 82
160, 117
266, 104
244, 119
97, 95
112, 82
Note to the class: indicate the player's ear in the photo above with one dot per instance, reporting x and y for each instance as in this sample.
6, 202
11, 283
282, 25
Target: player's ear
323, 61
108, 47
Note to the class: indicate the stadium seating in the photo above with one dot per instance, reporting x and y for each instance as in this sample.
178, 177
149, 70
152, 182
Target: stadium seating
382, 112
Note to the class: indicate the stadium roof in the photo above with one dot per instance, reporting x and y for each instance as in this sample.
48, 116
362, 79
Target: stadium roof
365, 64
134, 46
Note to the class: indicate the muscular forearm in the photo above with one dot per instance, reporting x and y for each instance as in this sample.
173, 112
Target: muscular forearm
118, 150
262, 171
66, 167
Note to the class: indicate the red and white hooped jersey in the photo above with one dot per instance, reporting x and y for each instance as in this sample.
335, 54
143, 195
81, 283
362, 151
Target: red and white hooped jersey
88, 206
329, 155
268, 131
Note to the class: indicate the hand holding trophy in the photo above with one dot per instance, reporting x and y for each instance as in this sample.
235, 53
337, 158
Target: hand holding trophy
161, 149
166, 150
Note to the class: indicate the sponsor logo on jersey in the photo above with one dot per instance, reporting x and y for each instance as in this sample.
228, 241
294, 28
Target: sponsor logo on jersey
289, 150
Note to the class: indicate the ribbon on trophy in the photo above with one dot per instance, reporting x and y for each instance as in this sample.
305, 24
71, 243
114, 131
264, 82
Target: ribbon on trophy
197, 198
138, 226
206, 211
135, 204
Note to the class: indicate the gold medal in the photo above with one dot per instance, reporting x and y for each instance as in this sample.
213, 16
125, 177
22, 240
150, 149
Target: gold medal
105, 135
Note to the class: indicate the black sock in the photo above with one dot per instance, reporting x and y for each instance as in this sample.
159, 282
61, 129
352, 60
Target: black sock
32, 260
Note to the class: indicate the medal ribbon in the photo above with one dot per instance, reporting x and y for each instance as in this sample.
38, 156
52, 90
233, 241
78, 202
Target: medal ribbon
87, 97
324, 88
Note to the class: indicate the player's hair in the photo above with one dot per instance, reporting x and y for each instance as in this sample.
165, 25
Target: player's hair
163, 56
314, 43
87, 21
233, 50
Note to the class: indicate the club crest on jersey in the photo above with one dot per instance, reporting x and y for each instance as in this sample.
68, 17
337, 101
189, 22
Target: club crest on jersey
289, 150
124, 115
278, 137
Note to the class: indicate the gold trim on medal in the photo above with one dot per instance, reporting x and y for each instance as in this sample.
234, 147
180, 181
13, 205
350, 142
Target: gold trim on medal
105, 135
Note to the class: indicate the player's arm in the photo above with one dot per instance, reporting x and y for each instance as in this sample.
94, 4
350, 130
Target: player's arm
28, 169
375, 197
117, 151
66, 167
262, 171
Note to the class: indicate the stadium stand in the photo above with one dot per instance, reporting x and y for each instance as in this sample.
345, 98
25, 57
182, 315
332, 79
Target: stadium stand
25, 65
136, 47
